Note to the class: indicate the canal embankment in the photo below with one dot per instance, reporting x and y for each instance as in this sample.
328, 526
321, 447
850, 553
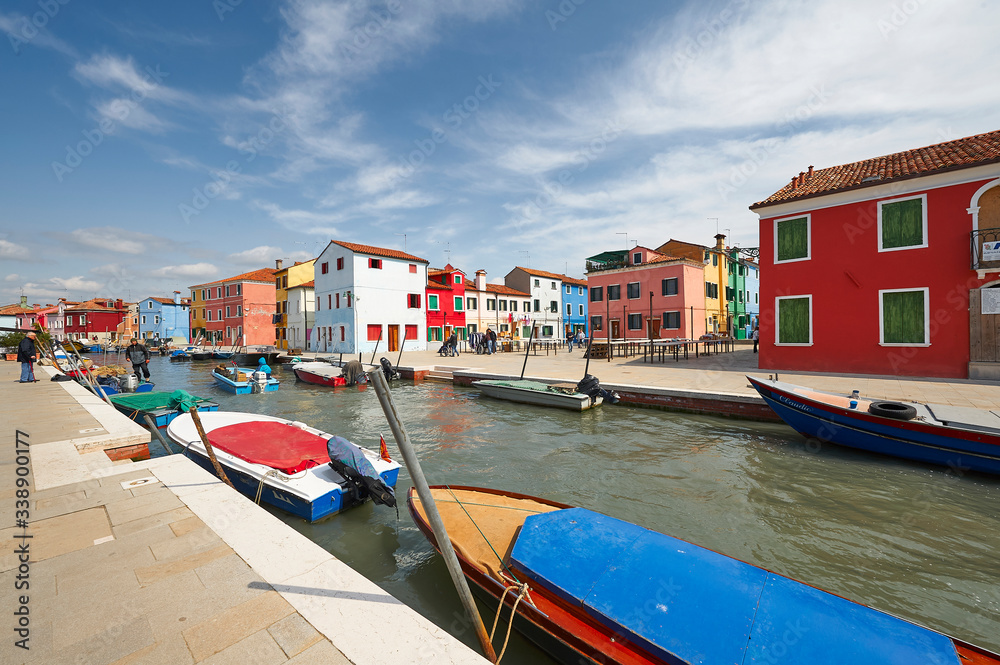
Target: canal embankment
159, 562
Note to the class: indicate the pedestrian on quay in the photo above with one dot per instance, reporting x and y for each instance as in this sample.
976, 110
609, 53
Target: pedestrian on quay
570, 338
580, 338
26, 355
755, 336
138, 355
492, 336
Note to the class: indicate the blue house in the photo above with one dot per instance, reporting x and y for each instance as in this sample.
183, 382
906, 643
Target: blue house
752, 296
574, 305
163, 318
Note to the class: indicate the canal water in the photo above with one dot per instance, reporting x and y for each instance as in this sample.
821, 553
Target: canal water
916, 541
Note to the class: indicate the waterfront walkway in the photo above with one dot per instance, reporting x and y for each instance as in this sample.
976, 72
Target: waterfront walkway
158, 562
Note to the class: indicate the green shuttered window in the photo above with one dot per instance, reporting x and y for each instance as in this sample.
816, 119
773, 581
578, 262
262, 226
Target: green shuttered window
903, 224
903, 317
793, 321
793, 239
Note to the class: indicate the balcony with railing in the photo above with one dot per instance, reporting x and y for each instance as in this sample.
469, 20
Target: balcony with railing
598, 266
985, 245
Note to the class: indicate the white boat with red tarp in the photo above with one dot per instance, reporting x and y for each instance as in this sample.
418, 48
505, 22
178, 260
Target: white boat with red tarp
288, 464
318, 374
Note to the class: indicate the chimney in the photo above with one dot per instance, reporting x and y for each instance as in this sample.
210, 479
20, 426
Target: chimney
24, 302
802, 178
118, 304
277, 264
480, 280
794, 182
177, 297
810, 174
719, 238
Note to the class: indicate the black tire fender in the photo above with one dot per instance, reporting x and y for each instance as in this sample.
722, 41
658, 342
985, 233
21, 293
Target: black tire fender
895, 410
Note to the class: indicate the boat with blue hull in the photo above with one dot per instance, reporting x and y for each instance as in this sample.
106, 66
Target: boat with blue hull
161, 406
593, 589
288, 464
957, 437
241, 381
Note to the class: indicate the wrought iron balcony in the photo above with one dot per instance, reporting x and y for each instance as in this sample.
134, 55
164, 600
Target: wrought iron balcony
594, 266
986, 249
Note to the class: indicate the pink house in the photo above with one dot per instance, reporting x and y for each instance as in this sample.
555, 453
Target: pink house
640, 292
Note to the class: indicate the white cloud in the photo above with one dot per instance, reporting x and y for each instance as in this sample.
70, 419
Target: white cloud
78, 283
13, 277
265, 256
114, 239
13, 251
22, 32
186, 270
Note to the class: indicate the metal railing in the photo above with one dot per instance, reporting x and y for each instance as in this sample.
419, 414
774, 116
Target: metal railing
988, 256
593, 266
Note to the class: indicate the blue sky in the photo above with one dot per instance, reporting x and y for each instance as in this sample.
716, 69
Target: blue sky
147, 147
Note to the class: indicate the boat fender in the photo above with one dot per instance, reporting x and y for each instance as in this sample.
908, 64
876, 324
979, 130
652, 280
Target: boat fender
895, 410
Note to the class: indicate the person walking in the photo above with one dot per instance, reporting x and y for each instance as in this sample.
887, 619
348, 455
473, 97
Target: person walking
26, 355
570, 339
492, 337
453, 344
755, 335
138, 355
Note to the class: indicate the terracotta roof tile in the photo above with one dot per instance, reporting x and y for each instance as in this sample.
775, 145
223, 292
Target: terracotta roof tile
305, 285
262, 275
540, 273
573, 281
379, 251
948, 156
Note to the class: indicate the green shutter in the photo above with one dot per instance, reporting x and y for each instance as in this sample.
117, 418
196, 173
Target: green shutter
903, 317
793, 239
793, 321
902, 224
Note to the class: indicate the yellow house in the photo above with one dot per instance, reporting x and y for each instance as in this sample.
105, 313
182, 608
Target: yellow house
284, 279
197, 311
716, 276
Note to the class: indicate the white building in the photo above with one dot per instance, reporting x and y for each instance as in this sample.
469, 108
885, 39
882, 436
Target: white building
545, 289
300, 309
496, 306
368, 296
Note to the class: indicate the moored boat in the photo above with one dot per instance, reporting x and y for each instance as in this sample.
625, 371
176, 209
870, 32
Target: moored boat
288, 464
162, 406
590, 588
318, 373
563, 396
242, 381
201, 353
958, 437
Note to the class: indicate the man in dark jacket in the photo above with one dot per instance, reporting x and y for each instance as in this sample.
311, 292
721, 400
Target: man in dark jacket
138, 355
26, 355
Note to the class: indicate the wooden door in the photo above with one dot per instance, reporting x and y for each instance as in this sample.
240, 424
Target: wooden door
656, 328
615, 328
393, 338
984, 329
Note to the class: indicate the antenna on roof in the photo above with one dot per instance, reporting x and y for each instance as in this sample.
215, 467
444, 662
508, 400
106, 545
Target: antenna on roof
404, 239
716, 220
527, 255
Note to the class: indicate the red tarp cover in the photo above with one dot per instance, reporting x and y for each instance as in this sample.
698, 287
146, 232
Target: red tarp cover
277, 445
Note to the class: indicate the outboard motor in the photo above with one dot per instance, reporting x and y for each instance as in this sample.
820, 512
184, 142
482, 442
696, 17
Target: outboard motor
128, 383
387, 369
590, 385
360, 476
259, 381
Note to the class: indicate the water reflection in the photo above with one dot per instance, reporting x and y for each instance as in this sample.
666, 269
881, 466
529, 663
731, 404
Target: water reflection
906, 538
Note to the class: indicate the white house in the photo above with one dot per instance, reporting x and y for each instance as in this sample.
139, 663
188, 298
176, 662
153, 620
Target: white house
368, 296
496, 306
545, 289
300, 309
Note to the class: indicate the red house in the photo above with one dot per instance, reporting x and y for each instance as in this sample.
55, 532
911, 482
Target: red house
638, 293
237, 309
445, 295
96, 320
886, 266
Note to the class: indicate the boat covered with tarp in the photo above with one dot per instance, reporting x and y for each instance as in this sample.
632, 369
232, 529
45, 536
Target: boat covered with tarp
288, 464
563, 396
161, 406
592, 589
244, 380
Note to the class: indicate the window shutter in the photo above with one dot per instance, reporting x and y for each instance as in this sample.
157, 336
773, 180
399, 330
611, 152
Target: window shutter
793, 321
903, 317
902, 224
793, 239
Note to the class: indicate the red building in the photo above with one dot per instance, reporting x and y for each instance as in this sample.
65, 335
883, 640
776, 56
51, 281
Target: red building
886, 266
96, 320
445, 296
641, 292
235, 310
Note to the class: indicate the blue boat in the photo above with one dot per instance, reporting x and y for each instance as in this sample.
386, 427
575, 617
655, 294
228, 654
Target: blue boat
179, 354
957, 437
222, 355
592, 589
240, 381
300, 469
161, 406
112, 388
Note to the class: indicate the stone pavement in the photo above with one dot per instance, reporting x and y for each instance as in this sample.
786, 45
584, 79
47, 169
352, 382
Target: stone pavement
158, 562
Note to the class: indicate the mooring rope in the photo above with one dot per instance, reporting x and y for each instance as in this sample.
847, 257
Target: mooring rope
522, 593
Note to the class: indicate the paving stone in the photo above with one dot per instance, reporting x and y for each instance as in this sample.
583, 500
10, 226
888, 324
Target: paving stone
67, 533
321, 653
151, 574
186, 526
237, 623
81, 622
41, 584
190, 543
107, 646
65, 489
259, 649
231, 581
139, 507
59, 500
171, 650
39, 644
152, 521
294, 634
146, 537
177, 603
150, 488
117, 479
113, 555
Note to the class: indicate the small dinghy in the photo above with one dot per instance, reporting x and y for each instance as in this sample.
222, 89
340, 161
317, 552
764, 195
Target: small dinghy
161, 406
243, 380
300, 469
579, 397
592, 589
318, 374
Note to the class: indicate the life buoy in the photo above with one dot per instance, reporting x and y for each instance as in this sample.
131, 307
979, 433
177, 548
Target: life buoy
895, 410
